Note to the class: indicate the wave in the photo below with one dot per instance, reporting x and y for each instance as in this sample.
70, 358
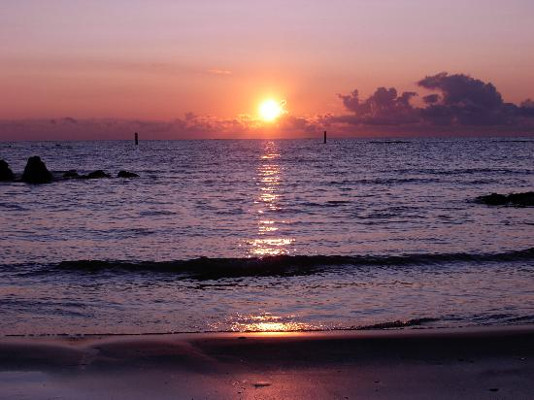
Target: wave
282, 265
398, 324
384, 181
465, 171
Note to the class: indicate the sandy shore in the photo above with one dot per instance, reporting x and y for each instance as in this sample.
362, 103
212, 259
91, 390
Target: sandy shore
493, 363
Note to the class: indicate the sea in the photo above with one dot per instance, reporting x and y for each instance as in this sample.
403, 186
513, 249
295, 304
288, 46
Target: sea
267, 235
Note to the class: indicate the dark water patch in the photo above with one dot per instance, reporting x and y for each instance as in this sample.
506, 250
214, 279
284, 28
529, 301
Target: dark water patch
12, 207
236, 211
385, 181
390, 142
529, 319
284, 265
337, 202
330, 203
513, 141
500, 318
479, 182
44, 307
464, 171
153, 213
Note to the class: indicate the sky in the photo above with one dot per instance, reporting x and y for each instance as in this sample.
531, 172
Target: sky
200, 69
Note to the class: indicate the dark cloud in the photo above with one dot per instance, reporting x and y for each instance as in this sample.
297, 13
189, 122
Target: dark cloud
460, 101
431, 99
383, 107
464, 100
527, 108
462, 90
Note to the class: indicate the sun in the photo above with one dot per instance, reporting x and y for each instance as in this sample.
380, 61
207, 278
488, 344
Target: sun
270, 110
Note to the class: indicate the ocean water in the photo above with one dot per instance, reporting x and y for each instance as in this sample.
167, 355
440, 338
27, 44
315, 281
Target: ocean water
256, 235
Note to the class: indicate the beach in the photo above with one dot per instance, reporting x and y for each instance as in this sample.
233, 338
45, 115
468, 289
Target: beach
478, 363
266, 200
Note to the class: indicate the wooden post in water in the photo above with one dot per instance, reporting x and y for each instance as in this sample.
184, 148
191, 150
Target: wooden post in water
136, 139
324, 137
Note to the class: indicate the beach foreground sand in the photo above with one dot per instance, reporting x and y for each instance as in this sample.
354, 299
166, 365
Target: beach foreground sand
493, 363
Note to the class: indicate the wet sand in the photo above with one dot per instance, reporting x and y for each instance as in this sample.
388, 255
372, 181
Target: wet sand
489, 363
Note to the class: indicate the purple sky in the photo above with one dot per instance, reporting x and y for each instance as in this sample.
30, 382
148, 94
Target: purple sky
107, 64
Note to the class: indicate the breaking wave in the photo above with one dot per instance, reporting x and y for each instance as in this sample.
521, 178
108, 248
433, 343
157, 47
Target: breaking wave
283, 265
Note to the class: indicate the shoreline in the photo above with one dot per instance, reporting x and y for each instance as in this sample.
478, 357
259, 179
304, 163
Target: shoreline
403, 363
327, 332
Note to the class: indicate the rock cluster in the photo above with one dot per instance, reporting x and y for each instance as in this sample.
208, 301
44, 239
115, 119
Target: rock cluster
36, 172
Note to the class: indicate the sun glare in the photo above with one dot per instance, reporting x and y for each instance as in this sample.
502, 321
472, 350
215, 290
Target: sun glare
271, 109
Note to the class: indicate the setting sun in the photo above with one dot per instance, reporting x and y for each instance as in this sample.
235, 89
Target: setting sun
270, 110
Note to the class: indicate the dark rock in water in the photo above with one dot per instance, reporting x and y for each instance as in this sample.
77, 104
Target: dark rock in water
126, 174
36, 171
71, 174
97, 175
493, 199
515, 199
5, 172
522, 199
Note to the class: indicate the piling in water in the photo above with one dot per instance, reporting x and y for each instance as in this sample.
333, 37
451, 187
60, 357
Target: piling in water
324, 137
136, 139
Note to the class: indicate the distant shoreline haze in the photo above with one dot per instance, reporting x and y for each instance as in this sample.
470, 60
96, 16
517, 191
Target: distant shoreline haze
332, 135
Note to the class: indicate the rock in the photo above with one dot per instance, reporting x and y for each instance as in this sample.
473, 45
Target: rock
6, 174
522, 199
36, 171
126, 174
525, 199
71, 174
97, 175
493, 199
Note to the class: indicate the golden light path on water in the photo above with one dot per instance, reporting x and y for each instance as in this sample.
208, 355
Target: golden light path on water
269, 176
269, 243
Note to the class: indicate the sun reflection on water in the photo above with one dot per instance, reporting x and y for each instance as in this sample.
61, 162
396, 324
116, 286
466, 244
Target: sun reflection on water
269, 177
268, 323
270, 247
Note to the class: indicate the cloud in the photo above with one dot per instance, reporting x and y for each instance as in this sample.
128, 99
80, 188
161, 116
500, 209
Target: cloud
70, 120
460, 101
383, 107
527, 108
190, 126
431, 99
464, 100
